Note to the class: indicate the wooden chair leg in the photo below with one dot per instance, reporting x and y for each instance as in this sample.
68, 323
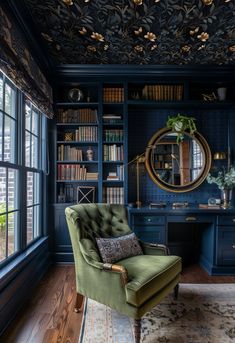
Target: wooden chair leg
78, 303
176, 291
137, 330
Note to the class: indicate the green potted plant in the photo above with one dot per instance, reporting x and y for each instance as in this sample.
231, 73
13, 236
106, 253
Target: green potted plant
225, 180
180, 124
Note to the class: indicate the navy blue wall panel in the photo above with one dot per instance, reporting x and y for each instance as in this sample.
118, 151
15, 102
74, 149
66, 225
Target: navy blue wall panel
144, 122
18, 284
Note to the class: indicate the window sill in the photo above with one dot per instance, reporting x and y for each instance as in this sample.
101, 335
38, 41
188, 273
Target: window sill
8, 272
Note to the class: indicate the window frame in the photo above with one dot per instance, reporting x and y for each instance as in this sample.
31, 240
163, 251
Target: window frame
19, 164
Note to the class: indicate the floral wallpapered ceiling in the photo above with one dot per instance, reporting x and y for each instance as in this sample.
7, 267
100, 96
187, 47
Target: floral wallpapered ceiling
137, 31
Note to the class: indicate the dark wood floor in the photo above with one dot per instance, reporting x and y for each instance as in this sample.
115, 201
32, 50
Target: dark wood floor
48, 316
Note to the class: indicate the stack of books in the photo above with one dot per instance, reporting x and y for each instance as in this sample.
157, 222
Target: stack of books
92, 176
112, 118
112, 176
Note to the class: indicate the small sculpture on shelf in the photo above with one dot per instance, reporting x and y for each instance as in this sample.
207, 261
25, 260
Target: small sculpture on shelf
90, 154
209, 97
75, 95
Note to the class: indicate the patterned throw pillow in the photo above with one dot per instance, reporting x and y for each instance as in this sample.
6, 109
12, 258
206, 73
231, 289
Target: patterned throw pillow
115, 249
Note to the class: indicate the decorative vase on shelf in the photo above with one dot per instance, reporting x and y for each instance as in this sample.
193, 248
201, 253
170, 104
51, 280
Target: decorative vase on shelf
90, 154
221, 93
226, 197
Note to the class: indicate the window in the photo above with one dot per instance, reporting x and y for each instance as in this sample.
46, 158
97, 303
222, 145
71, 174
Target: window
33, 163
22, 155
197, 159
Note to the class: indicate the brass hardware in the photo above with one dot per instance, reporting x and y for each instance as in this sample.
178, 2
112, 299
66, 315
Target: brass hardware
191, 219
219, 155
149, 219
233, 219
233, 246
138, 159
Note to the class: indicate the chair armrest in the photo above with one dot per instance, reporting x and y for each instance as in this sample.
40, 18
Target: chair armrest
116, 268
154, 249
108, 267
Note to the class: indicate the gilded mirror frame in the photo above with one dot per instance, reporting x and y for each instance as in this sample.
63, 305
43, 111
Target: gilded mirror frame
178, 188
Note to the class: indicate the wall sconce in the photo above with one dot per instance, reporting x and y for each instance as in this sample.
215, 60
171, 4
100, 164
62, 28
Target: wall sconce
219, 155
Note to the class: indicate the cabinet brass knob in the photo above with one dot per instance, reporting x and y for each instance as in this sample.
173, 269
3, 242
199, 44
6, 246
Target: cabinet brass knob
233, 246
233, 219
191, 219
149, 219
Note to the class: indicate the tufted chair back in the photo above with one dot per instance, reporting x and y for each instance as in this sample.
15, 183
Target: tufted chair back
90, 221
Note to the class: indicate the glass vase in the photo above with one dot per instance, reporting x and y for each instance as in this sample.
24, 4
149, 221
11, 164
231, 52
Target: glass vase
226, 197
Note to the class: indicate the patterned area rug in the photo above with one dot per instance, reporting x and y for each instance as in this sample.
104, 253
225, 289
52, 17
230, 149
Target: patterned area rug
203, 313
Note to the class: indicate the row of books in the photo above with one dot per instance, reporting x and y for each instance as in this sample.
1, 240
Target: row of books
82, 134
67, 193
162, 92
86, 133
75, 172
68, 153
113, 195
113, 152
113, 94
118, 175
81, 115
113, 135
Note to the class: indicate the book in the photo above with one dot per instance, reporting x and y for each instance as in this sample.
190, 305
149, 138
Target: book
209, 207
157, 205
179, 205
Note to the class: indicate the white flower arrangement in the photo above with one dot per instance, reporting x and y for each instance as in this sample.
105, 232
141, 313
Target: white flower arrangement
224, 179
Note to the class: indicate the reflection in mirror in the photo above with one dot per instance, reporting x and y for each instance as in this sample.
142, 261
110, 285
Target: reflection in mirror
177, 167
177, 164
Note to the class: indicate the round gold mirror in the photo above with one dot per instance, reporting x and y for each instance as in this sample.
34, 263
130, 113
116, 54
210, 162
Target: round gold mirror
177, 167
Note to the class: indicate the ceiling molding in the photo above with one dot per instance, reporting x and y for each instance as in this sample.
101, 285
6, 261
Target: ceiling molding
73, 71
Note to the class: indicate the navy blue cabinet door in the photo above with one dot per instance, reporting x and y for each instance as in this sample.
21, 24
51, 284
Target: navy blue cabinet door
62, 242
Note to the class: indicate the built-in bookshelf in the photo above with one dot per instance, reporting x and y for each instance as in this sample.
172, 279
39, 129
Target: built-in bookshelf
77, 144
114, 150
97, 126
90, 145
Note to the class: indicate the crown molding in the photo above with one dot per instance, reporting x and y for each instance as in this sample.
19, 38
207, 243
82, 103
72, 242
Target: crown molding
73, 71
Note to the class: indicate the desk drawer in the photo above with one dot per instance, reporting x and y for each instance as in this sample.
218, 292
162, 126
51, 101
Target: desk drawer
148, 220
226, 220
190, 218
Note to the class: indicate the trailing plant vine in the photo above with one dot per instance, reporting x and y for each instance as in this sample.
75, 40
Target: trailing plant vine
180, 124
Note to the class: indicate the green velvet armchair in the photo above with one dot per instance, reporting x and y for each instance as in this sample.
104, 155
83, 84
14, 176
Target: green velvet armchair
132, 286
